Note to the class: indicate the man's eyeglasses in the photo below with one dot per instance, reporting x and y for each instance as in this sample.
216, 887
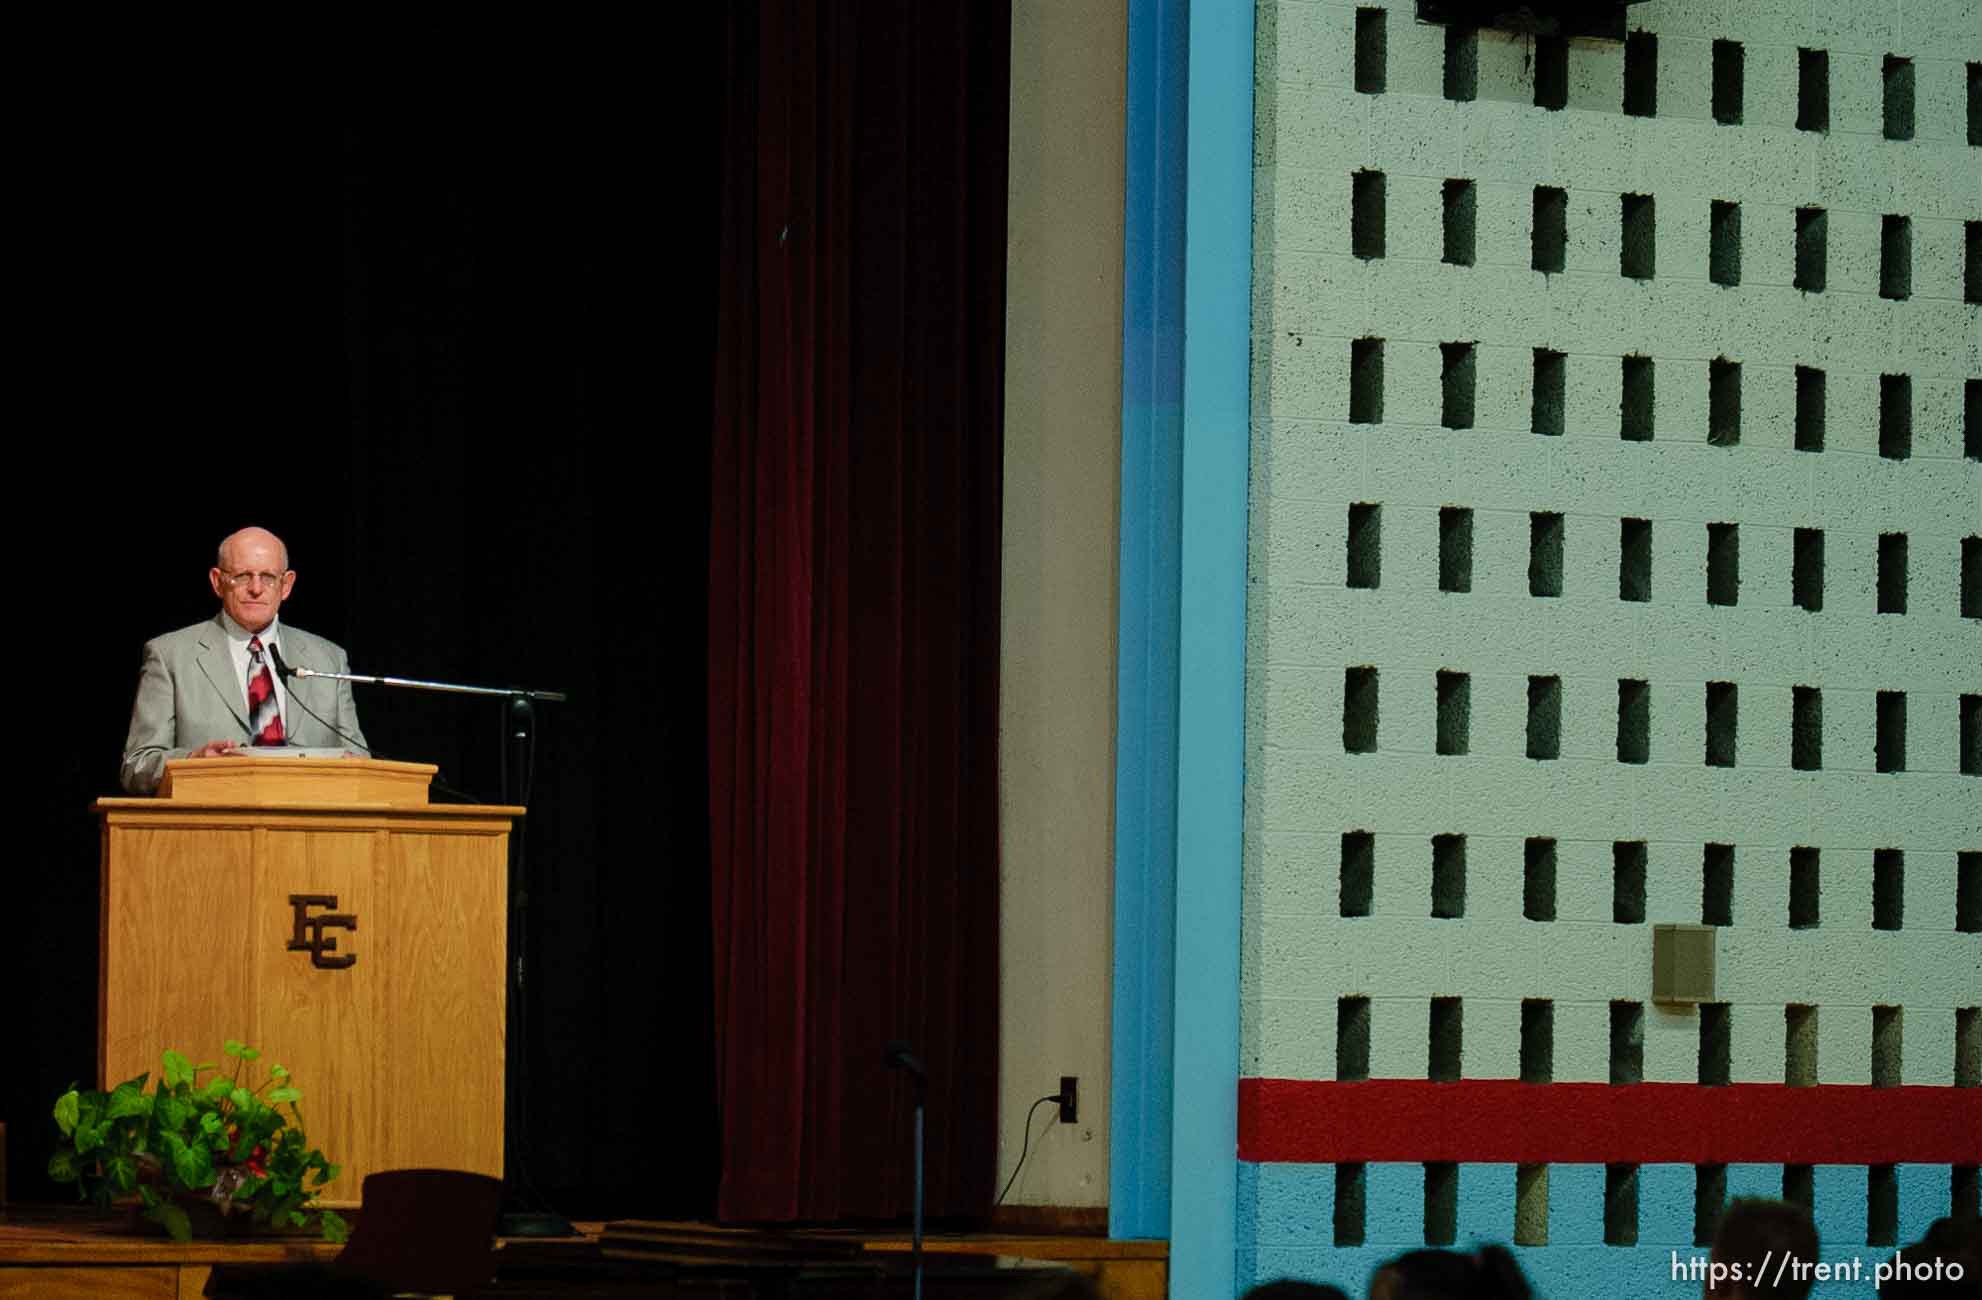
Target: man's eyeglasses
246, 576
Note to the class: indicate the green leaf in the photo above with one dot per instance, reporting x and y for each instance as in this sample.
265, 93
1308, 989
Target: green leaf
67, 1107
218, 1086
251, 1054
210, 1123
173, 1219
128, 1100
62, 1167
232, 1047
88, 1137
178, 1069
335, 1230
278, 1072
241, 1097
276, 1095
123, 1173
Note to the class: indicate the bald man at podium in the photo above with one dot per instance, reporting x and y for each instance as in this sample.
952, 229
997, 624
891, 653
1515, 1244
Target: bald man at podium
220, 687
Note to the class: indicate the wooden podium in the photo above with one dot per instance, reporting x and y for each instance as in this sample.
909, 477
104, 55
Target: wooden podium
323, 911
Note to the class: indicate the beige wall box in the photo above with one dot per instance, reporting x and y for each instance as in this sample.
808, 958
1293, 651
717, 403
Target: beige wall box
1682, 963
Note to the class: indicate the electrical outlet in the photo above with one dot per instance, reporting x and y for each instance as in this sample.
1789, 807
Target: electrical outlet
1069, 1099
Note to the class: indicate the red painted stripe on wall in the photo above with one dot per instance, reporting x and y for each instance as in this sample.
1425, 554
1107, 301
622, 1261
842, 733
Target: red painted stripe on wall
1506, 1121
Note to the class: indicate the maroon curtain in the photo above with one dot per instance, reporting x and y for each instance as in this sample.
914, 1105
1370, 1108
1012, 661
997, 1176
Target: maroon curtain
853, 607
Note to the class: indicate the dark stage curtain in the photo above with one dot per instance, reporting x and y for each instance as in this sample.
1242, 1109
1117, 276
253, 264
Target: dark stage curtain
853, 607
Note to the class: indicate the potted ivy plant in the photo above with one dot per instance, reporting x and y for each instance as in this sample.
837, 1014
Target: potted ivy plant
219, 1148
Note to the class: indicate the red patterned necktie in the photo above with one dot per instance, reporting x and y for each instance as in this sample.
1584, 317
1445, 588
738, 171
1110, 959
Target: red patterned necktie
264, 718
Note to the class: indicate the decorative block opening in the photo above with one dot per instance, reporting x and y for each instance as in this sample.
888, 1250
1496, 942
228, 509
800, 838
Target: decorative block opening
1888, 889
1627, 877
1537, 1040
1358, 873
1634, 720
1544, 554
1809, 409
1805, 888
1813, 90
1441, 1203
1627, 1042
1895, 416
1446, 1040
1971, 577
1895, 257
1551, 72
1637, 409
1638, 251
1641, 75
1359, 710
1723, 564
1971, 735
1550, 239
1352, 1039
1538, 879
1799, 1187
1634, 560
1964, 1185
1455, 549
1462, 64
1455, 703
1531, 1205
1551, 384
1729, 69
1888, 1046
1723, 716
1709, 1199
1461, 211
1456, 381
1366, 381
1971, 278
1723, 402
1716, 1043
1351, 1202
1366, 214
1806, 728
1545, 717
1968, 891
1620, 1205
1799, 1046
1975, 103
1881, 1206
1372, 51
1717, 885
1889, 745
1365, 545
1812, 252
1898, 84
1806, 573
1448, 876
1968, 1047
1892, 573
1724, 243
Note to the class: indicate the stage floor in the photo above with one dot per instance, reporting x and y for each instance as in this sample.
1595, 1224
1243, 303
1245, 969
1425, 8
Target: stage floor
59, 1253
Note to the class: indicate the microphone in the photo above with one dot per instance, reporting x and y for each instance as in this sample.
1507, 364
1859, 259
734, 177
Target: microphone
900, 1056
282, 669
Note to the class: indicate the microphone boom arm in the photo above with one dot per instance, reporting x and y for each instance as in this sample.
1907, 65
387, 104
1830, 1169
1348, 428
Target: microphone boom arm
452, 688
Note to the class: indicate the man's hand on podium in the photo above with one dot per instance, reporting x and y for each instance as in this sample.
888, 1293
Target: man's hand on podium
217, 749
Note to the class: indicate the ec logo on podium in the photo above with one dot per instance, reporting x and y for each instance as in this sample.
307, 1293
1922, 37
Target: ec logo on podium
309, 935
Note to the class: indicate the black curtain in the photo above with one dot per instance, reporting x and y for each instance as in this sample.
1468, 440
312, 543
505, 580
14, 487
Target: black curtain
484, 432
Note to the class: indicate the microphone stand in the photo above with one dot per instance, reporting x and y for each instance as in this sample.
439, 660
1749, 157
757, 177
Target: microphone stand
900, 1057
519, 735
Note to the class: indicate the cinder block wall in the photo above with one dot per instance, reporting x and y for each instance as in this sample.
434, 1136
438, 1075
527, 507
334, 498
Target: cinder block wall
1617, 478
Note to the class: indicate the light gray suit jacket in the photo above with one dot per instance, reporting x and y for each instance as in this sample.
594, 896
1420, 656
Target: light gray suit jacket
189, 694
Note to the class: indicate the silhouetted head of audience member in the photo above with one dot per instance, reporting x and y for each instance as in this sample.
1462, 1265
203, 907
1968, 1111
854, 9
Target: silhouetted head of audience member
1489, 1273
1288, 1288
1754, 1232
1945, 1262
